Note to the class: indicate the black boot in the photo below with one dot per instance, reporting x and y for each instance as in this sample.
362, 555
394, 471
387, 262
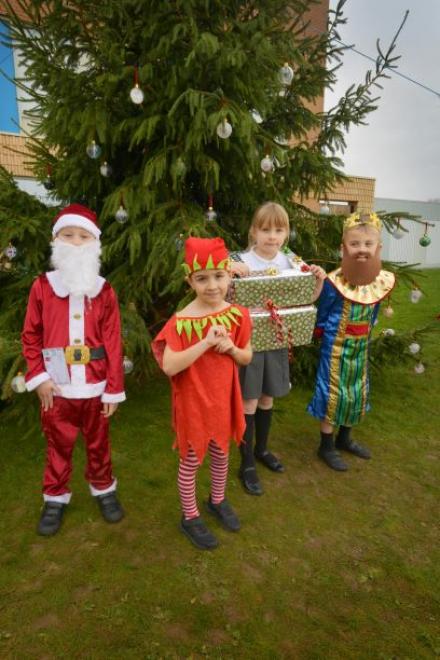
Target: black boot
263, 420
328, 453
344, 442
248, 473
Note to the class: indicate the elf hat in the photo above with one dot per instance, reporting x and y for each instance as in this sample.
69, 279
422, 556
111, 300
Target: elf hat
205, 254
76, 215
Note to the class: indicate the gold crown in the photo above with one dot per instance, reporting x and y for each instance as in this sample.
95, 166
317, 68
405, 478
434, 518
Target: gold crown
356, 219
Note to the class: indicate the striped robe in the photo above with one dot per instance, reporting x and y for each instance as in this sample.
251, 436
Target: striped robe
346, 315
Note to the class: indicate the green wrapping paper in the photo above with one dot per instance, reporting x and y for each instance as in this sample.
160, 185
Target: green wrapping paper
300, 321
288, 289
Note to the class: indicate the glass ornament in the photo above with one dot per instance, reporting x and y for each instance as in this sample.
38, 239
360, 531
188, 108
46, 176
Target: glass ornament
105, 169
398, 233
136, 95
127, 365
18, 383
10, 252
121, 215
49, 183
415, 295
258, 119
267, 164
285, 74
179, 242
210, 214
224, 129
93, 150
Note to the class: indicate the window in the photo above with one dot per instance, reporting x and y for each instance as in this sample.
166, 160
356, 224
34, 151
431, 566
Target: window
8, 93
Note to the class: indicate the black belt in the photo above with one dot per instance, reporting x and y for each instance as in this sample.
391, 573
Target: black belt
98, 353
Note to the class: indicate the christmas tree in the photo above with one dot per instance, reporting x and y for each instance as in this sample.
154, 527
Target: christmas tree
170, 119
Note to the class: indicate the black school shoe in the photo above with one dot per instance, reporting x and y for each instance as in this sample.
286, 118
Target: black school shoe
197, 532
270, 461
249, 478
111, 510
51, 518
353, 448
332, 459
225, 513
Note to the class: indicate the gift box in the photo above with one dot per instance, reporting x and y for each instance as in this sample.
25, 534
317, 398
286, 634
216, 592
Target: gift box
282, 328
288, 288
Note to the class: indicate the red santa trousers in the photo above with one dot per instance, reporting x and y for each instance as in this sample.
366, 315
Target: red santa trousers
61, 425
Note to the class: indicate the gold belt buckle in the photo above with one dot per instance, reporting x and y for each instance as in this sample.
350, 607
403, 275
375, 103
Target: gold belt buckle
77, 354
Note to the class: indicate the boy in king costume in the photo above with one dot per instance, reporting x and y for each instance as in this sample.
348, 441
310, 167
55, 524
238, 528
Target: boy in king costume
347, 310
73, 349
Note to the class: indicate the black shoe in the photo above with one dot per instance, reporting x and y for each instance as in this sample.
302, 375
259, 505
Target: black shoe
111, 510
197, 532
353, 448
249, 479
270, 461
225, 513
332, 459
51, 518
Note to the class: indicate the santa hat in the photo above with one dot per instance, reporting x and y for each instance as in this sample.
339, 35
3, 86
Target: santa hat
205, 254
76, 215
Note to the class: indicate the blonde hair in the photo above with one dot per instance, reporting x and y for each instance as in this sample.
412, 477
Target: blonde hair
269, 214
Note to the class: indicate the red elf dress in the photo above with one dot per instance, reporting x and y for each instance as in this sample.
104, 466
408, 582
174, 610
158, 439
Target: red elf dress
206, 396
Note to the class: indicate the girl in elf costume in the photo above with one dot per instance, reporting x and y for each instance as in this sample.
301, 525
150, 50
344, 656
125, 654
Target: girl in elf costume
267, 376
347, 310
199, 349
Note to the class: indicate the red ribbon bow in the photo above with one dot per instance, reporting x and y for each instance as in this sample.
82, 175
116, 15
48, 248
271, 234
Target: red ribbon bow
279, 326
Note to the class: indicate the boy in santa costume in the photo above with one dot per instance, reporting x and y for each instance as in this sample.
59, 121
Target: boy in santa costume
72, 345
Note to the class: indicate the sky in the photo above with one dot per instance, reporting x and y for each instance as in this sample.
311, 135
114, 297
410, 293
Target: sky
400, 146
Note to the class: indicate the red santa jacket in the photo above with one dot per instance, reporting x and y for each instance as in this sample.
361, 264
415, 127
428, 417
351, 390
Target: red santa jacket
55, 319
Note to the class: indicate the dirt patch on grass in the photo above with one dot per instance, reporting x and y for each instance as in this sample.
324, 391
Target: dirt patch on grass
207, 598
216, 636
177, 632
82, 592
32, 585
251, 572
49, 620
36, 549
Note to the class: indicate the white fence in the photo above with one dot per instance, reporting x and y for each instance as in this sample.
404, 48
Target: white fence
408, 249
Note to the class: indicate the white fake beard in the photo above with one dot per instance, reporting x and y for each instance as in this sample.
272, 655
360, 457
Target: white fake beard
78, 265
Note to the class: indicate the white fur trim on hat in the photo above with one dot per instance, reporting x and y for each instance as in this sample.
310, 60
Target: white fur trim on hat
74, 220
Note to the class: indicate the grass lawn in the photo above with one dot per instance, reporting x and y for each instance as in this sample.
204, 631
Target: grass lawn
326, 565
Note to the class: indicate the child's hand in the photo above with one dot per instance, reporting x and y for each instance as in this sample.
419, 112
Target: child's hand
108, 409
318, 272
225, 345
215, 334
45, 392
239, 268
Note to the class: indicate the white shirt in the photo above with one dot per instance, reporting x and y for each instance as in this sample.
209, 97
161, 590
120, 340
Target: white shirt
281, 260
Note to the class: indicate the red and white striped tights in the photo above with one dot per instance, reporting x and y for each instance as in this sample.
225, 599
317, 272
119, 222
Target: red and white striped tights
186, 479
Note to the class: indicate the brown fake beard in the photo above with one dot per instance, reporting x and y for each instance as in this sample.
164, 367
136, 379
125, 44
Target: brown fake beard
360, 272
